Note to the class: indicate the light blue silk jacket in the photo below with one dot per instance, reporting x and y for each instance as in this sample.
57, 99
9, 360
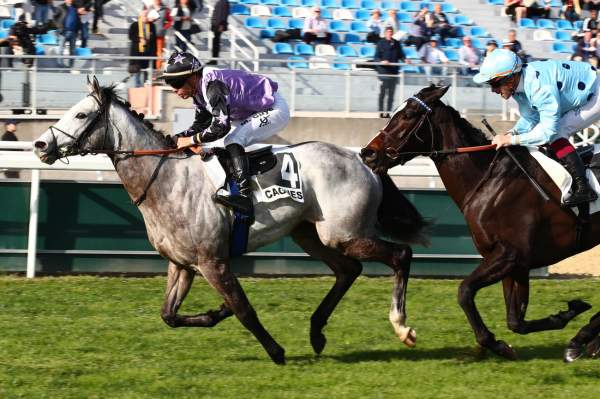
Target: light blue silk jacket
548, 90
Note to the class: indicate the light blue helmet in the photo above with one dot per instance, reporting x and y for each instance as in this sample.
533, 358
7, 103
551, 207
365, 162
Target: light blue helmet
498, 64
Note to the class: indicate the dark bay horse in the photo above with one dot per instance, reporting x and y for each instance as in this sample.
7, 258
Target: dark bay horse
513, 228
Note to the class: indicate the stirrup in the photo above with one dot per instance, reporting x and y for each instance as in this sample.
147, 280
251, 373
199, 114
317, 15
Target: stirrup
238, 202
581, 198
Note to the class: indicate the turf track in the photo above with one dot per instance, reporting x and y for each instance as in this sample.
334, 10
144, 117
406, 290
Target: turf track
90, 337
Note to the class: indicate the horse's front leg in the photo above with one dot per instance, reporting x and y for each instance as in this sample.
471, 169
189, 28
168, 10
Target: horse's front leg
587, 336
179, 282
217, 273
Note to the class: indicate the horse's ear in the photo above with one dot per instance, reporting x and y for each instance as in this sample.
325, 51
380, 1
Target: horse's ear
96, 86
438, 92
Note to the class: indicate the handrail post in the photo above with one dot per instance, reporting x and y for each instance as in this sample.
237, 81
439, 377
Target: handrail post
33, 222
454, 86
348, 93
33, 88
293, 90
149, 88
402, 83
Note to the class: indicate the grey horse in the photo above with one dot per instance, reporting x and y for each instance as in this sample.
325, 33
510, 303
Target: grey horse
346, 210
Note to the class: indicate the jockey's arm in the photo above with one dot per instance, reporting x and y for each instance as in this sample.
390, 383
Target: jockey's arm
546, 103
202, 120
217, 96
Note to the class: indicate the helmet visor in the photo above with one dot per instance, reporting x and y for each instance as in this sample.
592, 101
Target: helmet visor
176, 82
497, 82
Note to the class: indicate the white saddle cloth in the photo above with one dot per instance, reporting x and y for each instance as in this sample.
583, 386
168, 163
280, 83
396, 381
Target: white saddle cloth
563, 179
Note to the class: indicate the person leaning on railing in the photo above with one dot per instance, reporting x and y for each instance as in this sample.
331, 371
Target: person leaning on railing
388, 51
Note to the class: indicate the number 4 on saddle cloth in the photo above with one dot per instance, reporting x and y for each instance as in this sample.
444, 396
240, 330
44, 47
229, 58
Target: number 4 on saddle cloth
276, 175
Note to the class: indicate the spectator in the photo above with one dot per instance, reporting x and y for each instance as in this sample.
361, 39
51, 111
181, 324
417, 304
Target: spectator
590, 23
469, 56
98, 13
440, 24
511, 43
388, 51
21, 39
419, 31
218, 25
315, 28
142, 34
41, 9
570, 10
432, 54
9, 135
591, 5
585, 50
392, 20
160, 15
491, 45
182, 15
515, 9
84, 8
68, 23
375, 26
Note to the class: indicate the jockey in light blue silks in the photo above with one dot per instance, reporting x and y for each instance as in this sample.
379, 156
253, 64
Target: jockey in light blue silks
241, 107
556, 99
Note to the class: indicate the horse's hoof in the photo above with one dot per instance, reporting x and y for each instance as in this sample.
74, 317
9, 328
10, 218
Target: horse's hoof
579, 306
593, 348
503, 349
408, 336
573, 352
278, 356
318, 342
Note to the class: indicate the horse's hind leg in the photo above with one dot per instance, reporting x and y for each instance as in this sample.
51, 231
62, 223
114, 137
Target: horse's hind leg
588, 335
398, 258
179, 282
346, 270
218, 275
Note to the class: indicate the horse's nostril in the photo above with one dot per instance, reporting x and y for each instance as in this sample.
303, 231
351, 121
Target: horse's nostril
40, 145
367, 153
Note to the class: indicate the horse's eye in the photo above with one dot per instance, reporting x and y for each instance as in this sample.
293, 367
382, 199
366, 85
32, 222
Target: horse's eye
81, 115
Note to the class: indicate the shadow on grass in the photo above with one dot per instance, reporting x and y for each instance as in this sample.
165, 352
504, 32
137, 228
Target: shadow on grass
461, 354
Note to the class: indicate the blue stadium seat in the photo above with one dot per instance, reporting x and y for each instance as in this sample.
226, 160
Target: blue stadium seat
564, 25
388, 5
452, 55
562, 35
282, 11
335, 38
296, 23
270, 2
496, 2
79, 51
304, 49
254, 22
404, 17
461, 19
409, 6
346, 51
411, 69
556, 3
527, 23
578, 25
359, 27
276, 23
411, 53
478, 31
3, 33
326, 14
449, 8
7, 23
560, 47
366, 51
352, 38
290, 3
39, 50
249, 2
240, 9
339, 66
458, 30
329, 3
362, 15
368, 4
426, 4
308, 3
478, 44
352, 4
545, 24
282, 48
453, 42
267, 33
297, 62
48, 39
338, 26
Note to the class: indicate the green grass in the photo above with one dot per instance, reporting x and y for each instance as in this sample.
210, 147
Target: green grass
89, 337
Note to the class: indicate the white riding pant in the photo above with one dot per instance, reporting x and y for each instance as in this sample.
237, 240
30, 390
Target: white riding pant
260, 126
579, 118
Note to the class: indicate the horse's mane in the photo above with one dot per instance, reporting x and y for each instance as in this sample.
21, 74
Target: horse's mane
110, 93
469, 134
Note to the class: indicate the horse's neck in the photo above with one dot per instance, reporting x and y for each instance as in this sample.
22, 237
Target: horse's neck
460, 173
136, 172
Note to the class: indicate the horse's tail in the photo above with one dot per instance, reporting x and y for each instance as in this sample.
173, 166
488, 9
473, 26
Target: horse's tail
398, 218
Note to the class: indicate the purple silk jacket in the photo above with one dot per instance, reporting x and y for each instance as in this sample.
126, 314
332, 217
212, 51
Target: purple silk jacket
248, 93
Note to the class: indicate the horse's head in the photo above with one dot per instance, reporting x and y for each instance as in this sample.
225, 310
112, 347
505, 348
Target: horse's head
75, 132
406, 132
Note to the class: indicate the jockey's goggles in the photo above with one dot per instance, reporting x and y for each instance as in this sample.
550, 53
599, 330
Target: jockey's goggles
176, 82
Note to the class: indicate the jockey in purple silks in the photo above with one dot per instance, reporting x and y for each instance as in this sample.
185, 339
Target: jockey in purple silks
241, 107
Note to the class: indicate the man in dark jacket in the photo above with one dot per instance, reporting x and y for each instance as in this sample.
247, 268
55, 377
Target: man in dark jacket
388, 51
68, 22
9, 135
218, 25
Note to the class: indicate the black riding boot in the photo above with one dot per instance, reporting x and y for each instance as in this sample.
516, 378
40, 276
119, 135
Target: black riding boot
241, 170
581, 192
